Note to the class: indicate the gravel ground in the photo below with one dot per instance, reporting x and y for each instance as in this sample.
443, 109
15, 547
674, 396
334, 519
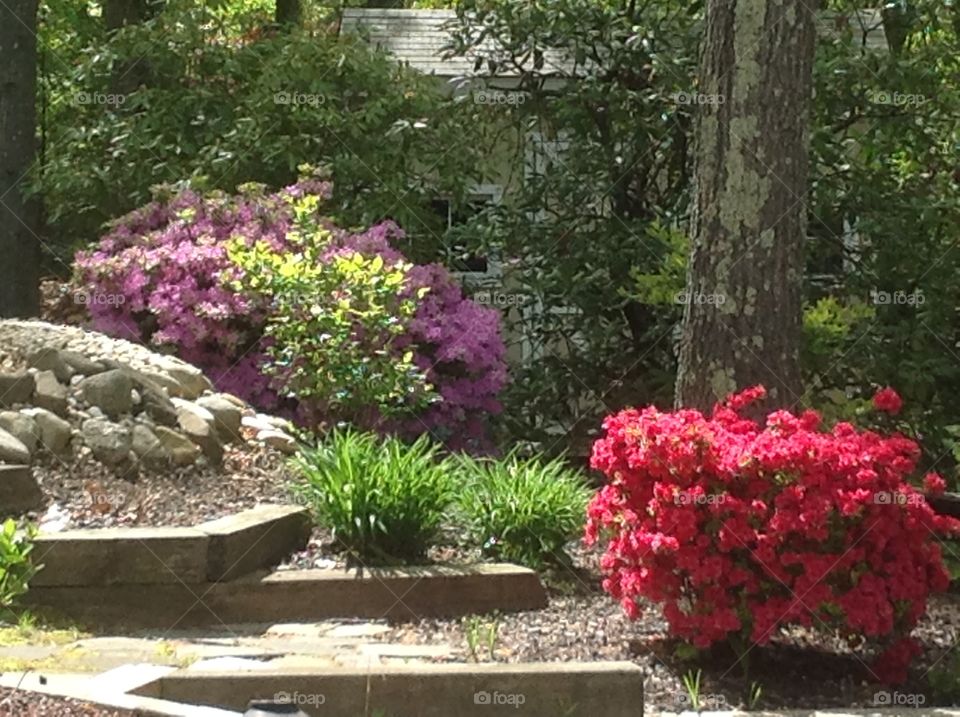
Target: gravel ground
798, 670
21, 703
83, 493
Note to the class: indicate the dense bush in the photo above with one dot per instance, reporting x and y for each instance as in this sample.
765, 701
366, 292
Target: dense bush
384, 500
738, 529
521, 510
16, 566
164, 276
216, 95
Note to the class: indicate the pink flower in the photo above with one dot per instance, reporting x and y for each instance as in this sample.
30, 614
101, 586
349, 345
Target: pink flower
724, 520
934, 484
888, 400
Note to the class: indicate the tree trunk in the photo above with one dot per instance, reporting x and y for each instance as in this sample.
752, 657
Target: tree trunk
120, 13
288, 12
742, 319
19, 243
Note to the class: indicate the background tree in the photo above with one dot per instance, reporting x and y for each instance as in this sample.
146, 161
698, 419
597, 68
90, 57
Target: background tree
742, 319
19, 244
288, 12
121, 13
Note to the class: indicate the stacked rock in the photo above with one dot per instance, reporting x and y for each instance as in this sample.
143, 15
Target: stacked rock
70, 392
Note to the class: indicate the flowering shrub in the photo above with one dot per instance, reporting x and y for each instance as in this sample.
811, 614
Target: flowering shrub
738, 529
176, 287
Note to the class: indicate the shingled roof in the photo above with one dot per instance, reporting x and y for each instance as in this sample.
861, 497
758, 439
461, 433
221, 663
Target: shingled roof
417, 38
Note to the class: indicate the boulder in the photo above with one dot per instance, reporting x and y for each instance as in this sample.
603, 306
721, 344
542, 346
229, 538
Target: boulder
55, 432
111, 443
199, 426
21, 427
168, 385
81, 364
15, 387
12, 449
153, 399
180, 449
226, 414
279, 440
148, 448
110, 391
50, 393
192, 383
49, 359
19, 491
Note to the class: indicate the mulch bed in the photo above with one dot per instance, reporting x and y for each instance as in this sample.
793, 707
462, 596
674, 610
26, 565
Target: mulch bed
22, 703
800, 669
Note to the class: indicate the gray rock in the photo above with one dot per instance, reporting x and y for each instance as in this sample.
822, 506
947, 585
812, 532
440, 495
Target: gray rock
50, 393
55, 433
191, 415
82, 364
182, 451
226, 414
153, 399
111, 391
49, 359
198, 424
149, 449
19, 491
12, 449
21, 427
111, 443
191, 380
279, 440
15, 387
162, 380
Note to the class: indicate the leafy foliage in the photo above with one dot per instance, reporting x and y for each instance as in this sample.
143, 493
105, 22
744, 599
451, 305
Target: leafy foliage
334, 321
212, 93
384, 500
597, 224
16, 566
725, 521
521, 510
603, 145
357, 330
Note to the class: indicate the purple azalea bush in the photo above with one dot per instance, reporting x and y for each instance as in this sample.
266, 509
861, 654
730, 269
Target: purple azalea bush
167, 269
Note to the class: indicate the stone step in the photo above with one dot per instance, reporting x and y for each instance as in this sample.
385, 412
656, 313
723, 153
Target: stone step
301, 595
224, 549
611, 689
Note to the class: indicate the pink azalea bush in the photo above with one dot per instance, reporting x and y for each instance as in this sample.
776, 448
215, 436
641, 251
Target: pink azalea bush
169, 263
739, 528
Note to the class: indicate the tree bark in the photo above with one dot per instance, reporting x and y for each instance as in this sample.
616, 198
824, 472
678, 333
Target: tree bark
288, 12
742, 319
19, 242
120, 13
